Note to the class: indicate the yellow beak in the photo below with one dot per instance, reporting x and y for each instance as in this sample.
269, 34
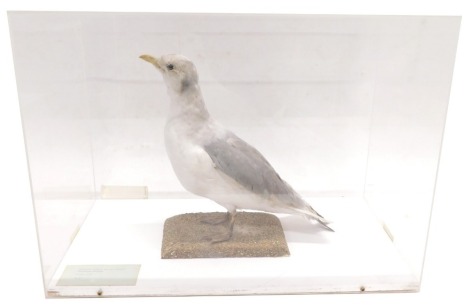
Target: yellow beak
150, 59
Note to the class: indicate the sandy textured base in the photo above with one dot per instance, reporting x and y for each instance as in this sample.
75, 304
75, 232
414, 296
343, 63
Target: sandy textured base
254, 235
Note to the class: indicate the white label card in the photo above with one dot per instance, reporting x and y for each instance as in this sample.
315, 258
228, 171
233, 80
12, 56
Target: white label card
100, 275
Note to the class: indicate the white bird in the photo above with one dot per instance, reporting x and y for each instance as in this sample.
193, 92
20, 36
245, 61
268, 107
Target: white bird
211, 161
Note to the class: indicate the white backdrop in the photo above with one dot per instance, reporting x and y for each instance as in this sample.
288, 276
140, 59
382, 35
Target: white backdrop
331, 101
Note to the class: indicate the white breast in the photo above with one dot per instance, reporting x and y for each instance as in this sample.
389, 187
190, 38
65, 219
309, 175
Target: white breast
196, 171
190, 162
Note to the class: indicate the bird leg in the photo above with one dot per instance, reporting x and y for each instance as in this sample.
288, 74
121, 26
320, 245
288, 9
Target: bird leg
216, 220
226, 235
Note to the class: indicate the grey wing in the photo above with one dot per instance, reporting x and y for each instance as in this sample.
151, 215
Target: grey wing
247, 166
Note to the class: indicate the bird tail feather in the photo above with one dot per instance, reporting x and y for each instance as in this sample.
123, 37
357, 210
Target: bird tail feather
314, 215
320, 220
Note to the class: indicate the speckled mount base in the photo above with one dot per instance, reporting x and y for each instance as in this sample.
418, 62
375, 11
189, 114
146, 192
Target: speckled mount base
254, 235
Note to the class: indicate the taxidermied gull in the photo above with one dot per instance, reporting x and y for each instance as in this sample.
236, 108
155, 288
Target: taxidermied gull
211, 161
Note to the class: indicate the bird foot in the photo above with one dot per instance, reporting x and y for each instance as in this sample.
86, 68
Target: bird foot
219, 237
215, 220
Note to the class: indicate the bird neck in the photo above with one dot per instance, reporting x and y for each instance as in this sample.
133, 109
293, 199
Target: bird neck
188, 103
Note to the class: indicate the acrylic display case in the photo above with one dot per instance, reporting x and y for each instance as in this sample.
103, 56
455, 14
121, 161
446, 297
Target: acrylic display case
350, 110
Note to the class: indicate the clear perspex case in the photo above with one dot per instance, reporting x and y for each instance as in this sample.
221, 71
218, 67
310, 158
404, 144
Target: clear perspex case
350, 110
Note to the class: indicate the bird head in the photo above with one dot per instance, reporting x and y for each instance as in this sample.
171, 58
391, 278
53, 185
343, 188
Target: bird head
178, 71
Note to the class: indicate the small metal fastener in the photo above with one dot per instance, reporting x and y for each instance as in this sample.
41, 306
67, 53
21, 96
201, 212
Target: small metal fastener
363, 288
100, 292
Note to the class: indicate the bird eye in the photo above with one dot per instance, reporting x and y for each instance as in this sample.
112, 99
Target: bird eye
170, 66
